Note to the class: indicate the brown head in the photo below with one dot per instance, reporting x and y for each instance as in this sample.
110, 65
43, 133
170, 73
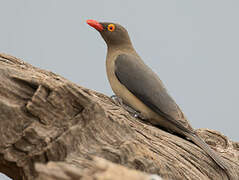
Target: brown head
113, 34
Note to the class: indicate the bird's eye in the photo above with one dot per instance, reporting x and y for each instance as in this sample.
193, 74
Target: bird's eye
111, 27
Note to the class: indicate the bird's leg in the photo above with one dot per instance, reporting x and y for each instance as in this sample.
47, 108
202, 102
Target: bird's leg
119, 102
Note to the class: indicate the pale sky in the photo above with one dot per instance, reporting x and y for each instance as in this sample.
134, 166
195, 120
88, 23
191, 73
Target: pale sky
192, 45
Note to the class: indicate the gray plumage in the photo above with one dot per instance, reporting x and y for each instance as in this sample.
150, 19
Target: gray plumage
145, 85
139, 87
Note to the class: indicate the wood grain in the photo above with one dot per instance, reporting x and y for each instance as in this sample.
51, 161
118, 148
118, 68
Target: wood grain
44, 118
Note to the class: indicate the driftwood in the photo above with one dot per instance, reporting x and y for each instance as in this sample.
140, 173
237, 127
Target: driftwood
51, 128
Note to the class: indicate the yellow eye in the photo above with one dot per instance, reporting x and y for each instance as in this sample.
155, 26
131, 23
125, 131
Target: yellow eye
111, 27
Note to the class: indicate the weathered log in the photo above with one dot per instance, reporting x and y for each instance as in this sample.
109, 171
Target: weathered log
44, 117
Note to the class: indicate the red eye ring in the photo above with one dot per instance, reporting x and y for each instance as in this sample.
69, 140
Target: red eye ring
111, 27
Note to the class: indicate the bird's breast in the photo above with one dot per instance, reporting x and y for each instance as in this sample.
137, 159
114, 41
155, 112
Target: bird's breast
129, 98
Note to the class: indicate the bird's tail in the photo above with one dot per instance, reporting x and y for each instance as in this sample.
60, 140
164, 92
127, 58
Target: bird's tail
217, 159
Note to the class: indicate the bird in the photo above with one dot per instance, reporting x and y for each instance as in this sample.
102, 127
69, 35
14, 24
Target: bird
141, 88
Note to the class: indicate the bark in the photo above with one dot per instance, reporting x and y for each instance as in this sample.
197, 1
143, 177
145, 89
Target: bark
51, 128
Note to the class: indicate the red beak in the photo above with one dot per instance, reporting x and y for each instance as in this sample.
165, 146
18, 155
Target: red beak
95, 24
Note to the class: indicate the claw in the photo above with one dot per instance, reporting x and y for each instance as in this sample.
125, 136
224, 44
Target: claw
119, 102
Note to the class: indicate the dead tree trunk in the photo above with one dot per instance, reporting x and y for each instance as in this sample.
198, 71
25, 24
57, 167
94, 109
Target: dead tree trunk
44, 117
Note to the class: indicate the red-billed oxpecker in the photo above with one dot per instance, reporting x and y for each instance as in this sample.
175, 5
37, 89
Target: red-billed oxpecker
140, 88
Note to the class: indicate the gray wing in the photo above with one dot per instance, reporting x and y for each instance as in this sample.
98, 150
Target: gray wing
139, 79
146, 86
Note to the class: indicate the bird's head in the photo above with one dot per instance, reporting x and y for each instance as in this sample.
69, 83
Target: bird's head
113, 34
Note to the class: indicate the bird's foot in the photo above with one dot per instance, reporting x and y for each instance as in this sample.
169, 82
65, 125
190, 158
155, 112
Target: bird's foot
119, 102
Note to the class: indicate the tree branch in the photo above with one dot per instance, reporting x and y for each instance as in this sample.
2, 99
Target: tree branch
44, 117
